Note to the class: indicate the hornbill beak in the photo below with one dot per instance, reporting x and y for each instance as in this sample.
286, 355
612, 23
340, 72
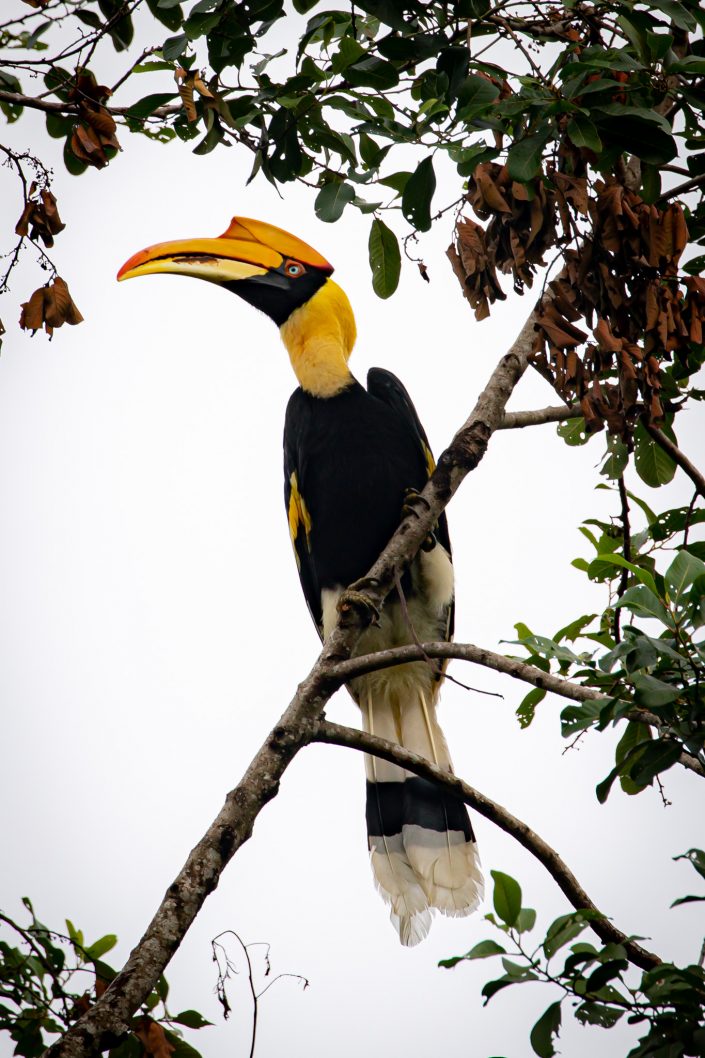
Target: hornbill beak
248, 248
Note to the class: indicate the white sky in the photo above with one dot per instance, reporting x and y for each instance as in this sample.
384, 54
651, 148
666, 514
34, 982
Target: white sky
152, 628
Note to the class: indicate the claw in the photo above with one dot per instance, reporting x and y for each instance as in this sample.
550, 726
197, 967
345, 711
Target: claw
413, 499
356, 601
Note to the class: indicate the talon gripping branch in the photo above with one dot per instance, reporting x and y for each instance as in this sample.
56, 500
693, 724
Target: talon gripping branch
350, 456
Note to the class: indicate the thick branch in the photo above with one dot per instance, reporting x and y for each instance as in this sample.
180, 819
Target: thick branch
678, 457
517, 420
337, 735
109, 1016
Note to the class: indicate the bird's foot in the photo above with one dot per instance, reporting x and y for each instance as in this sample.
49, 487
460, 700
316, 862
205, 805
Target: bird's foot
413, 500
355, 604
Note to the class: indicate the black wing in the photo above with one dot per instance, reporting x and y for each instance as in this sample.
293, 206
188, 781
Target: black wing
300, 517
386, 387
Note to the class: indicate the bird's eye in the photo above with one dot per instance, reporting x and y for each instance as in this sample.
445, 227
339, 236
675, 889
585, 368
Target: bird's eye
294, 268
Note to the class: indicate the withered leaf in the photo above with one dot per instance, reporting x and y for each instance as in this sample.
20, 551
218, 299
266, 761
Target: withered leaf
40, 217
605, 338
153, 1038
50, 305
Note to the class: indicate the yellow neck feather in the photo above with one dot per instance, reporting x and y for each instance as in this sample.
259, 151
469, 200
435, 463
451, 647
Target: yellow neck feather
319, 337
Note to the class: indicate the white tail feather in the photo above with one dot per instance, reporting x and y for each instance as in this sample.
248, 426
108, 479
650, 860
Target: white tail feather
421, 868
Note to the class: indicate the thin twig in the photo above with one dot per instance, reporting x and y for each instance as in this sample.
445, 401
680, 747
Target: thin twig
627, 550
337, 735
689, 185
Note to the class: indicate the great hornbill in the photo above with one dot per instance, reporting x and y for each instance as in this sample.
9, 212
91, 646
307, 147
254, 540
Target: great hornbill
351, 455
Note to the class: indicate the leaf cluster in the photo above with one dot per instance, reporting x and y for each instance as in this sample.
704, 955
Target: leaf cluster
597, 984
48, 979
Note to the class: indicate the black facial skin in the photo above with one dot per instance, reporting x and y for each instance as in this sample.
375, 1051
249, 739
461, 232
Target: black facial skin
276, 293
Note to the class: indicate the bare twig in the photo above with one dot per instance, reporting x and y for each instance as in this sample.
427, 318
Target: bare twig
517, 420
336, 734
682, 189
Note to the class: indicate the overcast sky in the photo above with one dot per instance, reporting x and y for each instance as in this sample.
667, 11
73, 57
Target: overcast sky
152, 628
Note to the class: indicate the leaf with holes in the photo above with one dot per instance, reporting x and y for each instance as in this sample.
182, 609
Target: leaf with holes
385, 259
417, 195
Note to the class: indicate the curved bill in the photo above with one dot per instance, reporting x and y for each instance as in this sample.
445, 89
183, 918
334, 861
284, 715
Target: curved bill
247, 248
217, 260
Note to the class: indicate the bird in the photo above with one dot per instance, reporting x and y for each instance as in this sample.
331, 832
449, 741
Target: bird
354, 458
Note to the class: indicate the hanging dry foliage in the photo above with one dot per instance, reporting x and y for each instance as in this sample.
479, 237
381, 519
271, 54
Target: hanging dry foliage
93, 140
50, 306
40, 217
622, 283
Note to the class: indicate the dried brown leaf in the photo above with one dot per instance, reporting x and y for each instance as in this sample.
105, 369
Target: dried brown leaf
32, 315
22, 226
153, 1038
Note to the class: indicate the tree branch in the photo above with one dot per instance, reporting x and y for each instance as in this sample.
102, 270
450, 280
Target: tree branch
517, 420
337, 735
518, 670
71, 109
678, 457
108, 1017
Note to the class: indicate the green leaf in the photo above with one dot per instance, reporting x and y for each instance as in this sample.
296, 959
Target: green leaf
696, 265
506, 897
677, 14
696, 857
653, 465
372, 73
658, 756
641, 600
572, 631
525, 156
483, 950
617, 458
544, 1031
191, 1019
573, 432
100, 947
526, 920
641, 574
417, 195
583, 133
332, 200
593, 1013
688, 900
563, 929
526, 710
385, 259
174, 47
652, 693
634, 735
682, 574
146, 106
